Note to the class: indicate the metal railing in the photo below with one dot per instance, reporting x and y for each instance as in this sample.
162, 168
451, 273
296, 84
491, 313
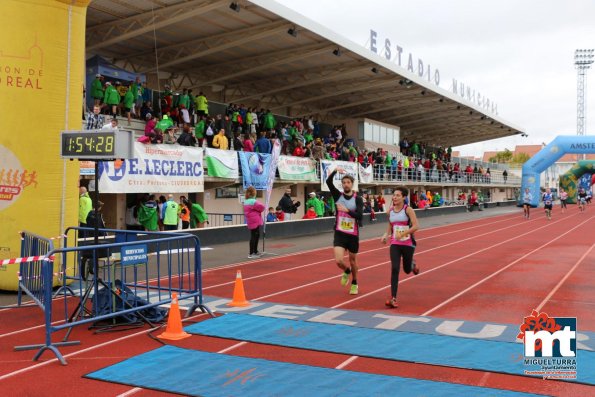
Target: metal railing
216, 219
125, 278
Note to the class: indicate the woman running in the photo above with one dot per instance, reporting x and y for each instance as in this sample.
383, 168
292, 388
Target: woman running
527, 198
402, 225
548, 201
563, 199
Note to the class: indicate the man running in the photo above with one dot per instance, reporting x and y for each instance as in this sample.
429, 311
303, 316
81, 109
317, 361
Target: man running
563, 199
349, 209
527, 197
402, 225
582, 199
548, 200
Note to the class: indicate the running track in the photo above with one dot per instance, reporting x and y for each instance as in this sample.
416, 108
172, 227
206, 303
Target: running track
494, 270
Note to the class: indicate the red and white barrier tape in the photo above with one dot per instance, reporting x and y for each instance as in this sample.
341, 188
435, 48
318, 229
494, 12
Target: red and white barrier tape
26, 259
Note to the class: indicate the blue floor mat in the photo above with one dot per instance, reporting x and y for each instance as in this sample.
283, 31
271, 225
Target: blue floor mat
403, 346
195, 373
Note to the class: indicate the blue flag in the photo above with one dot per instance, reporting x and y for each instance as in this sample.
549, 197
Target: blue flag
256, 168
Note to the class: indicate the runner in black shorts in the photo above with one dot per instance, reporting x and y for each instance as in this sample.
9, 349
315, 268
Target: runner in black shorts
548, 203
350, 208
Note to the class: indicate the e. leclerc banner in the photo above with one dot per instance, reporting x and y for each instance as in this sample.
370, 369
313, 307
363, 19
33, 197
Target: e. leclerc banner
327, 166
297, 168
256, 168
222, 163
154, 169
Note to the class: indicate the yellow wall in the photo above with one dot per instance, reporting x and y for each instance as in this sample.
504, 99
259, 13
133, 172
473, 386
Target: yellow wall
42, 54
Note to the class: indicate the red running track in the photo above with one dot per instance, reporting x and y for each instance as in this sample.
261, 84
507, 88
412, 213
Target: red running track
494, 269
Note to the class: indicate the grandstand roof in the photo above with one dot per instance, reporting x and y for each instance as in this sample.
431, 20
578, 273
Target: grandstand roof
249, 57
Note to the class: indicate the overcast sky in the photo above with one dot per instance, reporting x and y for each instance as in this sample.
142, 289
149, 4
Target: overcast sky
519, 54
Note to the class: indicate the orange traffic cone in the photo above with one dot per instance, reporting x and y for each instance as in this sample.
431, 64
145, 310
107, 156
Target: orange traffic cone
174, 329
239, 297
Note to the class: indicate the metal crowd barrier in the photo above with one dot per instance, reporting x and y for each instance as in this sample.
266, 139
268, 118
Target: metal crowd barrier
225, 219
120, 282
31, 281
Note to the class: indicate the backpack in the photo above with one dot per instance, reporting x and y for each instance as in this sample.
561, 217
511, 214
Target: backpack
209, 131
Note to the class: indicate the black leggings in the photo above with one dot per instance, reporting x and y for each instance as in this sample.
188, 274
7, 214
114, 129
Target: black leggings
396, 253
563, 203
254, 237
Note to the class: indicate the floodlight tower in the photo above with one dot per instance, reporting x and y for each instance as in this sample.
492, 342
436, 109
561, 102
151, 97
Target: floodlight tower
582, 61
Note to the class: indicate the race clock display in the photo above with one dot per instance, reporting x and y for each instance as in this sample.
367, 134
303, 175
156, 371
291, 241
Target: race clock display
96, 145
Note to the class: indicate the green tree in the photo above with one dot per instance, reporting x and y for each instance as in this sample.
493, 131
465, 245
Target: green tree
501, 157
520, 158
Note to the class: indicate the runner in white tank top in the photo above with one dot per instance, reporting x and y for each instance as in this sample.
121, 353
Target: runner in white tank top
402, 224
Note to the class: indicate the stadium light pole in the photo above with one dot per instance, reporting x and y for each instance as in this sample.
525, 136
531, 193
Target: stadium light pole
583, 59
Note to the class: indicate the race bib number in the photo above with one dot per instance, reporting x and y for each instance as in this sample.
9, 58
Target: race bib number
346, 224
397, 230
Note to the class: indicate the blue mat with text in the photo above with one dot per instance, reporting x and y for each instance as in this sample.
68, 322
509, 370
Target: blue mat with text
393, 345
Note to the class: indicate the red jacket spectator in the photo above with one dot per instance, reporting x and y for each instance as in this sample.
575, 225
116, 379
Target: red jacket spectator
248, 145
299, 151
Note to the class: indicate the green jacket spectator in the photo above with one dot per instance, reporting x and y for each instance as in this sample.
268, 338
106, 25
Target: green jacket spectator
197, 215
184, 100
111, 96
97, 89
148, 217
199, 130
165, 123
317, 204
129, 99
137, 90
269, 121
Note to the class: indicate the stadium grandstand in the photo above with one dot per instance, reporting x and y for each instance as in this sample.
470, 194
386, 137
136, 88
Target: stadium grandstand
262, 55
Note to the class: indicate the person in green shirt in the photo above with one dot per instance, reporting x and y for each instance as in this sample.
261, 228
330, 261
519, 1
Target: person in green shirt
169, 214
198, 216
128, 103
199, 131
202, 105
111, 97
85, 206
97, 89
138, 91
269, 121
184, 99
313, 203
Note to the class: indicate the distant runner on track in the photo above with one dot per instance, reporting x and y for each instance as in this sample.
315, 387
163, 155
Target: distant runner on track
350, 208
563, 200
548, 203
402, 224
527, 197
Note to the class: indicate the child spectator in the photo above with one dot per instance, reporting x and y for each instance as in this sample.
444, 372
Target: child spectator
271, 216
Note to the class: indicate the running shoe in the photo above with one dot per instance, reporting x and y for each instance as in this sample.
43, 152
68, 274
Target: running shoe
344, 279
392, 303
251, 256
415, 270
353, 290
257, 254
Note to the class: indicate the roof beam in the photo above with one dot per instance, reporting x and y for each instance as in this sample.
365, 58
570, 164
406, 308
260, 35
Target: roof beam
151, 24
396, 107
323, 48
190, 46
243, 39
356, 88
361, 102
304, 82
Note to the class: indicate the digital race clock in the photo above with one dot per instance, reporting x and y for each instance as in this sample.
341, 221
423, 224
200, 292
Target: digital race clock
97, 145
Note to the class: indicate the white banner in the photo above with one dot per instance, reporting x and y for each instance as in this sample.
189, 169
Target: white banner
274, 163
154, 169
328, 166
222, 163
293, 168
366, 175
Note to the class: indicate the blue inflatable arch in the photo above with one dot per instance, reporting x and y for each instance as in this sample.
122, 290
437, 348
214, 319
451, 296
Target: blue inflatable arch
532, 169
